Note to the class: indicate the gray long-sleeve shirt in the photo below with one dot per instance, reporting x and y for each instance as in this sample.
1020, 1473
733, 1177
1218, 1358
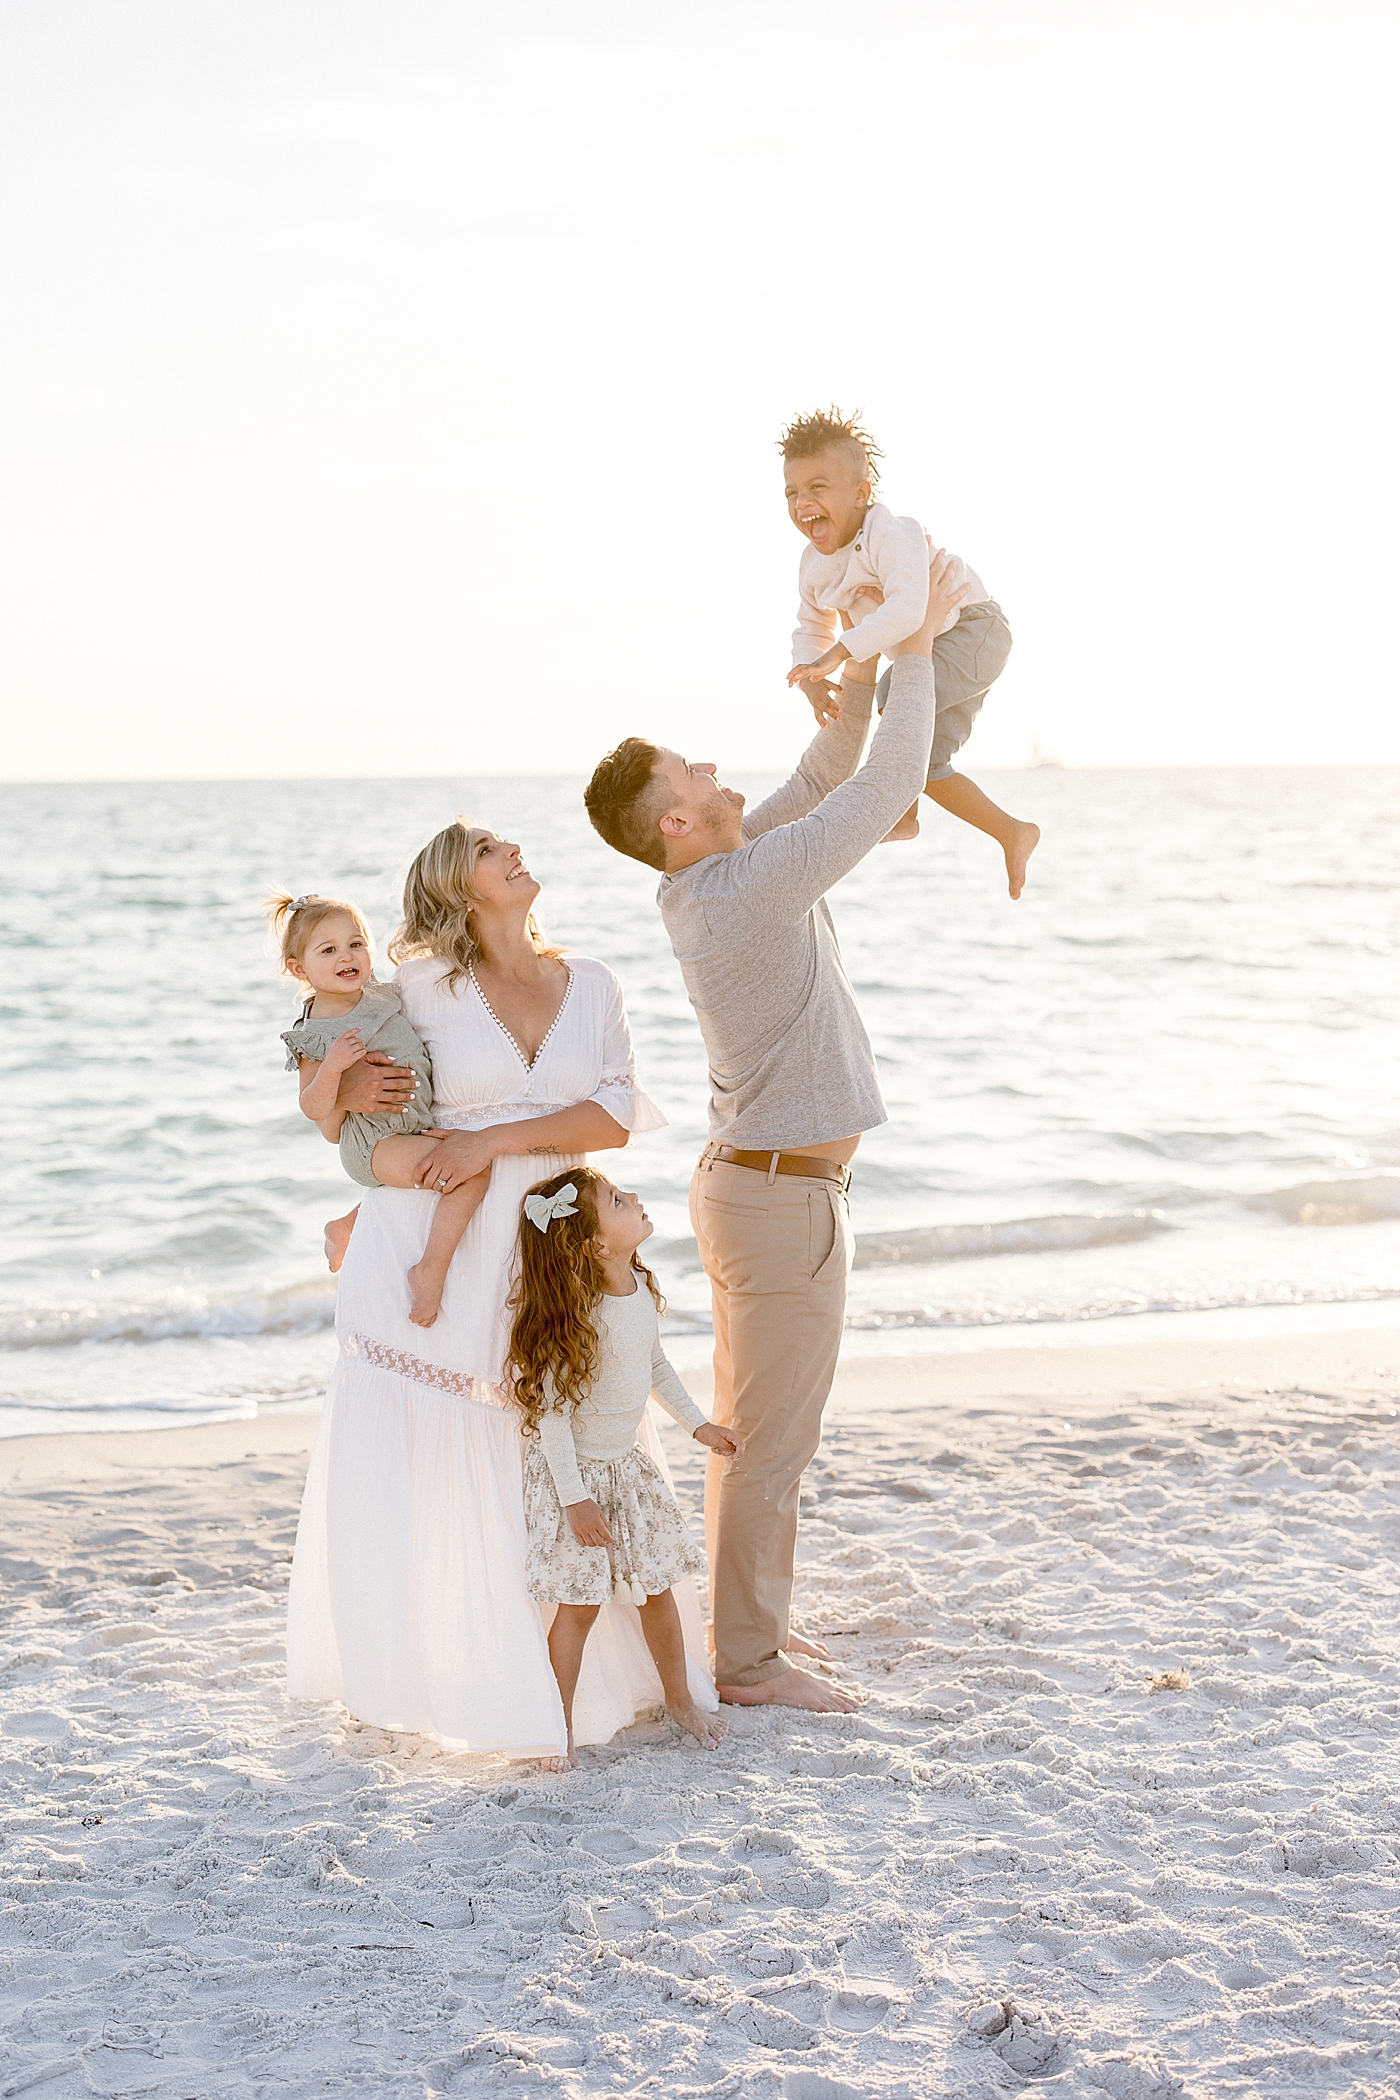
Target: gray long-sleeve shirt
790, 1061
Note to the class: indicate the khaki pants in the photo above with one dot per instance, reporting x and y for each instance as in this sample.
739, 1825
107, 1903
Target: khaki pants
777, 1253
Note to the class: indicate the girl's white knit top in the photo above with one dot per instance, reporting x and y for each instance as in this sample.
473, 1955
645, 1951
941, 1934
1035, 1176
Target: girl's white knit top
631, 1364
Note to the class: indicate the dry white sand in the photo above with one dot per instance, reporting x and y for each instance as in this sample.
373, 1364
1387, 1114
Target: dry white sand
1016, 1868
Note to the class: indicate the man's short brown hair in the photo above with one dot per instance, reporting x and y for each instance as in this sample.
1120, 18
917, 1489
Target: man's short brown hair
626, 800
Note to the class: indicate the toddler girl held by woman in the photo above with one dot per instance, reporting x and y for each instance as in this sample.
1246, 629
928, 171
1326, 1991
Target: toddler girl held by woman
326, 946
585, 1353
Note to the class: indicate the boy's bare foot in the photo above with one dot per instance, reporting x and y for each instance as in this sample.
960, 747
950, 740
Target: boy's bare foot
337, 1240
424, 1297
797, 1645
793, 1688
709, 1730
1019, 849
906, 828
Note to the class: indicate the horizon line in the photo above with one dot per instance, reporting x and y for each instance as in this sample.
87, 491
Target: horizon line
1243, 765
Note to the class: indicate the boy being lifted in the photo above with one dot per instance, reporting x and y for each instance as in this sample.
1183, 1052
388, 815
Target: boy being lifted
861, 560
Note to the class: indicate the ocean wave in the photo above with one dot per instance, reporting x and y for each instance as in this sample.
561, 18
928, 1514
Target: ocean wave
1121, 1307
1053, 1235
1364, 1201
295, 1309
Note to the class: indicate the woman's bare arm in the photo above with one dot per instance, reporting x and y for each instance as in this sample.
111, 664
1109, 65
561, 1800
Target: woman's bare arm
458, 1154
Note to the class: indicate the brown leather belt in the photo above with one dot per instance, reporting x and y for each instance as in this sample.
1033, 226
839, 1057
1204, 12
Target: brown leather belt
771, 1163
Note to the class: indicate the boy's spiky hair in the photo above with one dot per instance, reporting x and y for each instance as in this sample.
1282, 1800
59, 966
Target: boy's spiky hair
808, 434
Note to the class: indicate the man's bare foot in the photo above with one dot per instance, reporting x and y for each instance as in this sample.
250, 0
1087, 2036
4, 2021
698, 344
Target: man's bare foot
558, 1764
797, 1645
793, 1688
709, 1730
906, 828
424, 1297
338, 1239
1022, 845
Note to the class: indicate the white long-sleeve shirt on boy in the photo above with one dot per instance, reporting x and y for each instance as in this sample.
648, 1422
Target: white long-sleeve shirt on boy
890, 553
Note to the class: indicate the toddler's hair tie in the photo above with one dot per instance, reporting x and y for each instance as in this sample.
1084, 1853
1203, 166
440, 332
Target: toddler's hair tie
300, 903
543, 1210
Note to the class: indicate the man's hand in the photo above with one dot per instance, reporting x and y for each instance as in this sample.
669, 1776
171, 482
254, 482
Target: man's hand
867, 672
825, 699
456, 1156
588, 1524
375, 1086
716, 1438
943, 598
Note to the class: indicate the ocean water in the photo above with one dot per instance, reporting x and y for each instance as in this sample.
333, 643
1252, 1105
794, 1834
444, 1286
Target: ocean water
1164, 1082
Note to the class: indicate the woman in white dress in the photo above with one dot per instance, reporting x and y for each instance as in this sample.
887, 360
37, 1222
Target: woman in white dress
408, 1598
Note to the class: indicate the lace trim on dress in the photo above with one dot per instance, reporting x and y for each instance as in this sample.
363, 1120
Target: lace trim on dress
404, 1364
486, 1113
528, 1062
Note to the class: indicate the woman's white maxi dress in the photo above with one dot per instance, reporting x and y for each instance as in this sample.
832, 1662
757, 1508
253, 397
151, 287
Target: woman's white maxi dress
408, 1599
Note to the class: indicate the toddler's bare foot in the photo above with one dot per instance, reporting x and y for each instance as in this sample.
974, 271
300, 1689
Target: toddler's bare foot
796, 1645
424, 1296
708, 1730
906, 828
793, 1688
338, 1239
1022, 845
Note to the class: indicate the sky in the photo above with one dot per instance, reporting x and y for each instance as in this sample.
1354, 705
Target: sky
393, 390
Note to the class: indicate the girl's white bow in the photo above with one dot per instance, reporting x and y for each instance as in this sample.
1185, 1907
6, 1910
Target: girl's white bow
542, 1210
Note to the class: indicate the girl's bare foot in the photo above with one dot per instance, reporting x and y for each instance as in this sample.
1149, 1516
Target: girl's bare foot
796, 1645
338, 1239
708, 1730
906, 828
1018, 849
424, 1297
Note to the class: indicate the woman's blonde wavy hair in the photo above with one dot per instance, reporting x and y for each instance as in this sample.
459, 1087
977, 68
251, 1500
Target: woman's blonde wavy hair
439, 897
558, 1284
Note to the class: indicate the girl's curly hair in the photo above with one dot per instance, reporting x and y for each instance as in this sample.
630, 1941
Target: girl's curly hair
806, 435
553, 1353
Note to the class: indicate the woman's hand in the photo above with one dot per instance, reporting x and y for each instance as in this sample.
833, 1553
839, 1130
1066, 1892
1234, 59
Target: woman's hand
715, 1437
376, 1085
588, 1524
456, 1156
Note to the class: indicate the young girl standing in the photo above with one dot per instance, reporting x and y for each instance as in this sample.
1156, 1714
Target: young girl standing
326, 946
585, 1352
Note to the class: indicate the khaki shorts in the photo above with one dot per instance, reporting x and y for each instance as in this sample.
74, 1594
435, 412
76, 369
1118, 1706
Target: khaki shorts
967, 661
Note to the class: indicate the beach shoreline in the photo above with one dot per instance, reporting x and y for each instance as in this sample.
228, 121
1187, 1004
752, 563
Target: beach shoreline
1016, 1861
961, 1386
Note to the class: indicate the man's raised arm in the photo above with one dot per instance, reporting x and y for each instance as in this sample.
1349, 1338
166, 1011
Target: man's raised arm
788, 867
831, 757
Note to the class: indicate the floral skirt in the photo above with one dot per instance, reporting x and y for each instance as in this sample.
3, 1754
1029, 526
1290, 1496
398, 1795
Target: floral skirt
651, 1549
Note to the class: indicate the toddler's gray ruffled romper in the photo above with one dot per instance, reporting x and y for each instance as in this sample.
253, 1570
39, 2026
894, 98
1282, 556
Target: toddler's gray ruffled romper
380, 1018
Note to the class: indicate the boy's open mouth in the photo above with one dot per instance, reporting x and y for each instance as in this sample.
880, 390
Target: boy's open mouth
817, 530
